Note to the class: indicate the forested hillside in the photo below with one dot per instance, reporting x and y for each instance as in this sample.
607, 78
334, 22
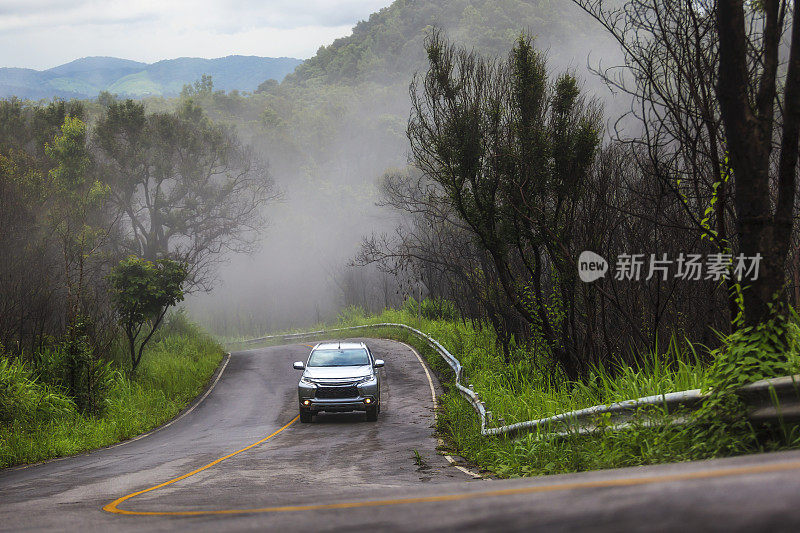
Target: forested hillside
388, 47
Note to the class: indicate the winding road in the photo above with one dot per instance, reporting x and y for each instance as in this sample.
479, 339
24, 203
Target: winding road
240, 460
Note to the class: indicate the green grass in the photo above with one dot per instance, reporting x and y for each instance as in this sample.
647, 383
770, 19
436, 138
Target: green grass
519, 391
174, 370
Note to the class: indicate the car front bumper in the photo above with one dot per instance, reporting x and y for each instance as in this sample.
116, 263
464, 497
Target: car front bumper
367, 398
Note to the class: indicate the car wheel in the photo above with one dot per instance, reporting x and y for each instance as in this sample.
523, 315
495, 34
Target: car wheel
306, 417
372, 414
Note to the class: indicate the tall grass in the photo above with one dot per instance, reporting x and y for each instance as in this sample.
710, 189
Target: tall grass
173, 371
24, 399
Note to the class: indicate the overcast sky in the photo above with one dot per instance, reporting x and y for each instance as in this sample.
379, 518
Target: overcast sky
44, 33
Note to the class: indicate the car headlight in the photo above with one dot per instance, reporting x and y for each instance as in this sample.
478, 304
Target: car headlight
365, 379
304, 381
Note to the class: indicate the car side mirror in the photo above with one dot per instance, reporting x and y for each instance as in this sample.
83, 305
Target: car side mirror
299, 365
378, 363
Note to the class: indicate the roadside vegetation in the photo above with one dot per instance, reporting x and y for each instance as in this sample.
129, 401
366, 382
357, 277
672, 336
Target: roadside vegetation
512, 180
40, 419
515, 391
106, 222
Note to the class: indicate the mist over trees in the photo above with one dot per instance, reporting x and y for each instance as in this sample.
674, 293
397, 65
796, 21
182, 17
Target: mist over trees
338, 123
85, 191
181, 186
498, 208
660, 182
389, 47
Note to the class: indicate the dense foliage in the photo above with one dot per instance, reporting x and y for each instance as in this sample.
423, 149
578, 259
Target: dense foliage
77, 199
332, 128
509, 185
511, 177
511, 152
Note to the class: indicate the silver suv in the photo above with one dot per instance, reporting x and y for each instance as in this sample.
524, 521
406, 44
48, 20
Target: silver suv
338, 377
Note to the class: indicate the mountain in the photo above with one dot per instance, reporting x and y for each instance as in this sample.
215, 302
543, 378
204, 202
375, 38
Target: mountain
388, 47
86, 77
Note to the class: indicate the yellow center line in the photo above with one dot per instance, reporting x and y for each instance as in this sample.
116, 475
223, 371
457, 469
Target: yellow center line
113, 507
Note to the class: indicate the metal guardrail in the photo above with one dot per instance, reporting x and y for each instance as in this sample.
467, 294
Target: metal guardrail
768, 400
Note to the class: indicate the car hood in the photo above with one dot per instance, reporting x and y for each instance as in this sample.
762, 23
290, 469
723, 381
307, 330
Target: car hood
337, 372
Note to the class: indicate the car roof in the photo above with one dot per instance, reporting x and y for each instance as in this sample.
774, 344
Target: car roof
339, 346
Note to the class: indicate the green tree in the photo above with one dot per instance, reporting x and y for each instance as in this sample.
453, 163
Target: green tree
142, 291
74, 200
512, 152
202, 88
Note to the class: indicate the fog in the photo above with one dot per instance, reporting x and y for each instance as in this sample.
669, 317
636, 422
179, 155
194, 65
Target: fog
301, 274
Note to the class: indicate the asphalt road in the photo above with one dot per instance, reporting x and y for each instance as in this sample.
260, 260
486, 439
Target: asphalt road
204, 473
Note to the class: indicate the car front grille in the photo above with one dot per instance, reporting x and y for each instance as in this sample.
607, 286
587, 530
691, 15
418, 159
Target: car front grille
336, 392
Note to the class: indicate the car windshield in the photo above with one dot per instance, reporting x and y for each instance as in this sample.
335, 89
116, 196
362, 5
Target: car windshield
355, 357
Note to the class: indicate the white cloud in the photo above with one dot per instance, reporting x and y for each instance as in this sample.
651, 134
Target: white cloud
46, 33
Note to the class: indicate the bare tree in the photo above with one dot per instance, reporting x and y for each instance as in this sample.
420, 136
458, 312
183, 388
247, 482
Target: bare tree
507, 191
705, 77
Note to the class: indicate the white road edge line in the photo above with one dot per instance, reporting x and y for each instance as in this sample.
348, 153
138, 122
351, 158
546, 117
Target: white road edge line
189, 410
435, 412
138, 437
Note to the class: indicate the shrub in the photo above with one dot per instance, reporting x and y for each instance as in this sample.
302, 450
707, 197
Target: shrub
39, 421
73, 367
766, 350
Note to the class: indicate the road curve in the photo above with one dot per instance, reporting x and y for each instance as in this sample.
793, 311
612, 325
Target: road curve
239, 462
